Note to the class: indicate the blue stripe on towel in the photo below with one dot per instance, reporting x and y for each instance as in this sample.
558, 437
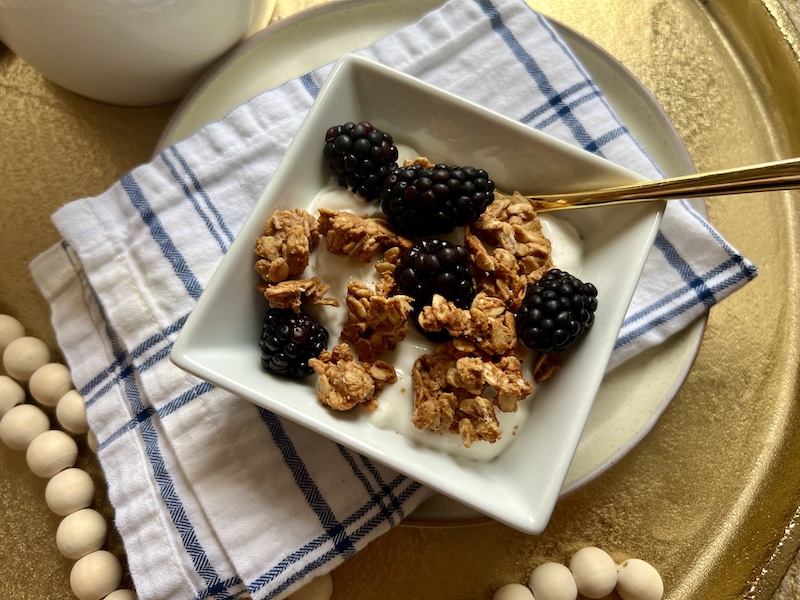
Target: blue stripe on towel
233, 587
684, 269
177, 513
385, 489
170, 407
547, 107
117, 434
138, 351
187, 192
384, 492
306, 484
310, 85
680, 307
568, 54
100, 377
677, 310
532, 67
120, 359
360, 532
161, 237
555, 115
733, 262
169, 496
595, 145
125, 371
200, 190
556, 38
749, 270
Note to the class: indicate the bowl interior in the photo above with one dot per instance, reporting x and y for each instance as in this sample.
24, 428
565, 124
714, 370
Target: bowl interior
219, 342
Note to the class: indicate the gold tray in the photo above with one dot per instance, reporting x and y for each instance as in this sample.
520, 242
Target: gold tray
710, 497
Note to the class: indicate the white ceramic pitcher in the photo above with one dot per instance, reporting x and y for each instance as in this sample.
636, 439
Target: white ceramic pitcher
128, 52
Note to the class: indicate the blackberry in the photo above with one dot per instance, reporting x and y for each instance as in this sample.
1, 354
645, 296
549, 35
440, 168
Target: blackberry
434, 266
361, 156
288, 340
424, 201
556, 310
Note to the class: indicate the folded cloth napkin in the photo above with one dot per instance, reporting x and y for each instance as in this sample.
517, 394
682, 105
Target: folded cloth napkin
215, 497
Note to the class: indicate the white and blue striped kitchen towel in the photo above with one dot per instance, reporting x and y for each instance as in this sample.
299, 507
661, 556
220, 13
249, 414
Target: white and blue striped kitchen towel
216, 498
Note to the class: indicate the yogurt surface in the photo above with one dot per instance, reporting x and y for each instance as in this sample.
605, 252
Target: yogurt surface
396, 401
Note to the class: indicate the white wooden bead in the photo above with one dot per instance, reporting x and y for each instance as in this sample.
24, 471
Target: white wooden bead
81, 532
95, 575
319, 588
513, 591
70, 490
49, 383
91, 441
24, 355
553, 581
22, 424
11, 394
121, 595
595, 572
50, 452
639, 580
71, 412
10, 330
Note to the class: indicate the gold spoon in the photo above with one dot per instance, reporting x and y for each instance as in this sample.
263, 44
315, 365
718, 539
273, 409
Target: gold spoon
765, 177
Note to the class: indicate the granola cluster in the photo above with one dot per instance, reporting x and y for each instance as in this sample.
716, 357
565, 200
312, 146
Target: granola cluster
457, 388
478, 371
292, 293
286, 244
376, 322
487, 323
520, 255
347, 234
345, 383
284, 251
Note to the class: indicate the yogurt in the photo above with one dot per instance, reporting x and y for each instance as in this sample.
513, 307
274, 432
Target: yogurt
396, 401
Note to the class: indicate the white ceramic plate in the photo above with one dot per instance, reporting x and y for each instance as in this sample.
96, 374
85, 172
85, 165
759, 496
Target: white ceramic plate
219, 341
627, 404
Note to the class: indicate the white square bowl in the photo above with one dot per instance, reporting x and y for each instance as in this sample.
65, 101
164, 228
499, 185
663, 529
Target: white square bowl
219, 342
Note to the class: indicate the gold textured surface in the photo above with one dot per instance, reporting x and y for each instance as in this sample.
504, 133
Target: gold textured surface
710, 497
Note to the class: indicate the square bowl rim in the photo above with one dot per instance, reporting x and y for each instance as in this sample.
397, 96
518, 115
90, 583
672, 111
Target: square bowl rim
184, 353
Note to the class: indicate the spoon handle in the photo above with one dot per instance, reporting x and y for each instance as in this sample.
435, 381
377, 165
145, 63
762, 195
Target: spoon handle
765, 177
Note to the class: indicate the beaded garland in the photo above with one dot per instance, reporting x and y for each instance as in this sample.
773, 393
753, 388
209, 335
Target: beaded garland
591, 573
52, 454
97, 573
